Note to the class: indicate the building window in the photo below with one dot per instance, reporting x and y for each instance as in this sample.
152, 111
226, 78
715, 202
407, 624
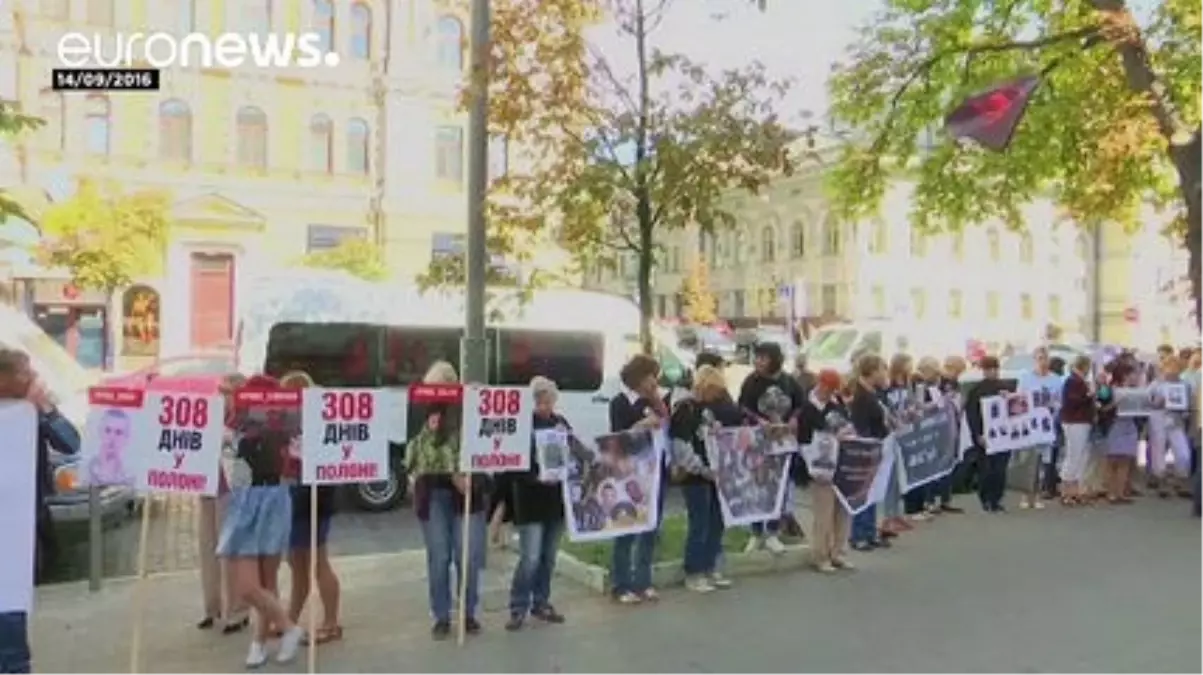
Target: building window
175, 131
326, 237
919, 302
358, 146
449, 154
877, 301
1027, 249
956, 304
55, 10
361, 31
257, 16
1054, 308
1025, 306
50, 109
100, 12
798, 243
97, 123
321, 144
323, 24
252, 138
831, 237
829, 299
958, 245
499, 157
737, 303
185, 16
1082, 246
768, 245
450, 43
993, 245
918, 244
992, 308
879, 239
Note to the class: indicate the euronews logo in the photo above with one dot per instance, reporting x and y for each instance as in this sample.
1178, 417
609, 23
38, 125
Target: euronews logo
164, 50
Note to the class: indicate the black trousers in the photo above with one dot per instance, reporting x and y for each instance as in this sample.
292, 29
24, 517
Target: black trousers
916, 500
993, 482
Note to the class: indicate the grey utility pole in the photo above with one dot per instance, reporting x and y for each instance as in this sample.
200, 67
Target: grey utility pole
474, 350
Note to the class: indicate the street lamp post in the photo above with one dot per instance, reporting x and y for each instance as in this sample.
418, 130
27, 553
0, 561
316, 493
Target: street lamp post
473, 349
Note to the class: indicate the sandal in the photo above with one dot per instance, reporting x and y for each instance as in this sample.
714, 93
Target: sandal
326, 634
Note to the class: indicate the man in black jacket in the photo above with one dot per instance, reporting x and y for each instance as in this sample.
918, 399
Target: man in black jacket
18, 381
992, 481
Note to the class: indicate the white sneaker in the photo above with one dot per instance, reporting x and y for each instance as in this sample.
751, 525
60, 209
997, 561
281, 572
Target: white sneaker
290, 644
920, 517
1024, 504
824, 567
719, 581
699, 584
774, 545
257, 655
754, 544
1038, 505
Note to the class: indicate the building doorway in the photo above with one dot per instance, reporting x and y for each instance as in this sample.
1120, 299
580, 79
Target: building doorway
212, 300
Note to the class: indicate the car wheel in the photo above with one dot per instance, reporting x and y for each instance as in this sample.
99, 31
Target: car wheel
384, 495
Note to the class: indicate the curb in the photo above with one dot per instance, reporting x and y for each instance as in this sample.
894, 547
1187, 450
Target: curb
670, 573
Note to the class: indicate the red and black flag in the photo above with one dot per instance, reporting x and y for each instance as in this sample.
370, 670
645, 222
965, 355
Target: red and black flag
990, 117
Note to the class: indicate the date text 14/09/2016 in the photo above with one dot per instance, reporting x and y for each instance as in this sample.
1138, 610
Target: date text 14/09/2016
105, 79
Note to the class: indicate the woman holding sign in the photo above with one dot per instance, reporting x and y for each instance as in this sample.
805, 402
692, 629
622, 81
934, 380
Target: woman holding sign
538, 516
301, 548
823, 413
432, 460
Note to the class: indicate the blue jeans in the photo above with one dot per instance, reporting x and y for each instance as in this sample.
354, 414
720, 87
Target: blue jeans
538, 544
704, 536
633, 554
14, 643
443, 534
864, 526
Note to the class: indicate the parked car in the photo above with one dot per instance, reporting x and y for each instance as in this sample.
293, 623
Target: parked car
708, 338
68, 383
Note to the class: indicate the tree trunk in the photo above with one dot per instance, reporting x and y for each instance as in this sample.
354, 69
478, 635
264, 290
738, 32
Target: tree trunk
643, 195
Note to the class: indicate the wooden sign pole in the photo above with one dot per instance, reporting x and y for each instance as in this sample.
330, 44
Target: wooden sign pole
464, 561
312, 616
135, 652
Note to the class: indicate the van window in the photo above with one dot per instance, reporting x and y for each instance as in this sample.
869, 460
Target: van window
409, 353
333, 354
572, 360
832, 345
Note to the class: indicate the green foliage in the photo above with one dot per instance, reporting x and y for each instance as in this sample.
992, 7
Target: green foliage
12, 124
698, 303
1091, 139
616, 158
106, 237
356, 256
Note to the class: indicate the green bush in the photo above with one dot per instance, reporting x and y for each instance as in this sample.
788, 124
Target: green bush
669, 546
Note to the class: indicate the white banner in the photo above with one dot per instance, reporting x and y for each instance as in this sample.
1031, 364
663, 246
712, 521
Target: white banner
18, 503
344, 436
185, 454
497, 429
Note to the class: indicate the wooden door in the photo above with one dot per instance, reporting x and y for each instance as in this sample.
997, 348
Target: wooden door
212, 300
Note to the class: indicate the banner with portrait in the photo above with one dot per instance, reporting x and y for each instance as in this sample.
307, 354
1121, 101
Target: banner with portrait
859, 464
612, 488
927, 450
749, 474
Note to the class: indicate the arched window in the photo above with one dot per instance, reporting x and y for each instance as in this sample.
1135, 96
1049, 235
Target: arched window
361, 31
799, 239
321, 144
1027, 248
96, 123
1082, 246
50, 109
323, 23
451, 43
140, 329
252, 138
175, 131
993, 245
768, 245
831, 237
358, 137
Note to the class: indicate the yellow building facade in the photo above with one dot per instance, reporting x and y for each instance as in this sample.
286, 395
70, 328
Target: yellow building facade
264, 165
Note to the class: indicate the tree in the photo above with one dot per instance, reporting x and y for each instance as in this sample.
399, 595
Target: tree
698, 304
356, 256
105, 237
1114, 122
616, 158
12, 124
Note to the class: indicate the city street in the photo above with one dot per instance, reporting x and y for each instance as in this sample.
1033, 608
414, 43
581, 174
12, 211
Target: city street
1103, 590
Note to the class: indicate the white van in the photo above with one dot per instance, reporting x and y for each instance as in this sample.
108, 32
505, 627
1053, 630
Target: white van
348, 332
839, 345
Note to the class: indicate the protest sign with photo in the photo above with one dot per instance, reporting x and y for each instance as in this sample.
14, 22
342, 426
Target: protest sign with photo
268, 420
105, 449
749, 476
821, 455
783, 439
1133, 401
551, 453
1010, 422
612, 488
497, 429
344, 436
927, 450
1177, 396
18, 503
185, 454
858, 465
